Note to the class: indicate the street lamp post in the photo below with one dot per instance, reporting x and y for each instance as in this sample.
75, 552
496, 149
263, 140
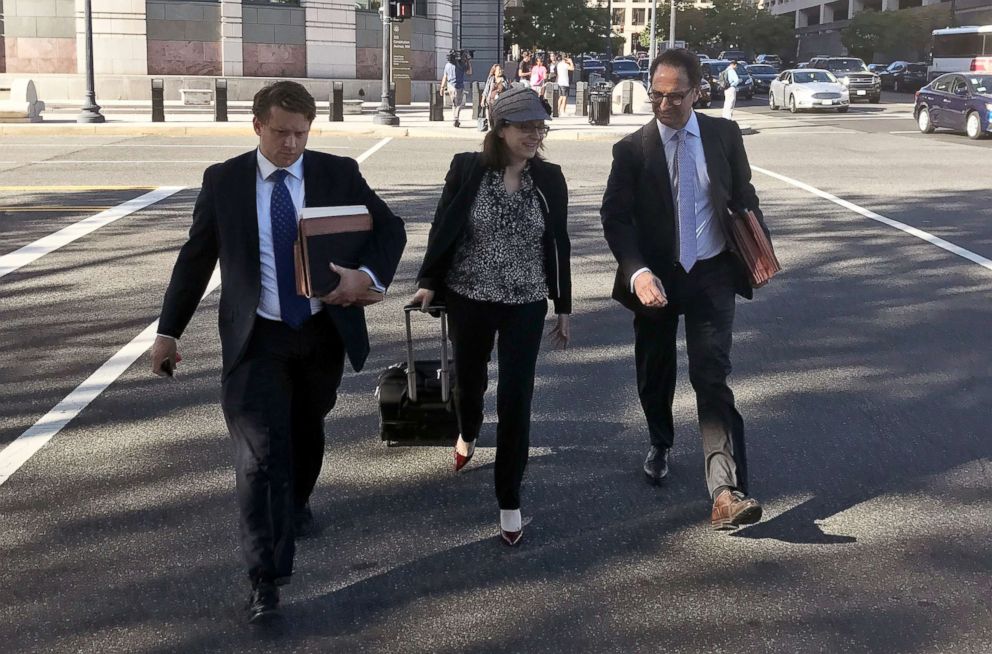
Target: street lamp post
671, 26
91, 110
385, 115
653, 48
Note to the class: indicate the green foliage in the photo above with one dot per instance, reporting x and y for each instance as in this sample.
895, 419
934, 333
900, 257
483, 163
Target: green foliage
728, 24
561, 26
905, 32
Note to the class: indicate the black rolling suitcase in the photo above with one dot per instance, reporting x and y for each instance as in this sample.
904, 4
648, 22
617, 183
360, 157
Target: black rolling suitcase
416, 406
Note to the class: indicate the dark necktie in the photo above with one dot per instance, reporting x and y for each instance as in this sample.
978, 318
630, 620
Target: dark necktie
294, 309
685, 191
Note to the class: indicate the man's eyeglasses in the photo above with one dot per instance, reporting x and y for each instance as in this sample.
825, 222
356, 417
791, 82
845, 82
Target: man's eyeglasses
675, 98
538, 130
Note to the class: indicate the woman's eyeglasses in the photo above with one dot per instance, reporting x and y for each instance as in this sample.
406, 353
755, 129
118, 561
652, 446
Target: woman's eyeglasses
538, 130
675, 98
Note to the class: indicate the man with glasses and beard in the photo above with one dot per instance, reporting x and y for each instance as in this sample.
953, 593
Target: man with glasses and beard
665, 215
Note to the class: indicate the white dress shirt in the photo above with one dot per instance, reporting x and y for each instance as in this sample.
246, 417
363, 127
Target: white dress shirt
709, 237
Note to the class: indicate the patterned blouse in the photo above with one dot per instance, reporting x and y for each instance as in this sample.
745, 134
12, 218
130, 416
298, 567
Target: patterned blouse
500, 257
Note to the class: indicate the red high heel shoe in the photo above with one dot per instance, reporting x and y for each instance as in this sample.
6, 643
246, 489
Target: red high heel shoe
507, 521
461, 460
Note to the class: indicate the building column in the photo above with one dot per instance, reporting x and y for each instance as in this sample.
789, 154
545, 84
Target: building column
857, 6
331, 40
232, 48
890, 5
928, 3
826, 14
441, 12
120, 41
802, 20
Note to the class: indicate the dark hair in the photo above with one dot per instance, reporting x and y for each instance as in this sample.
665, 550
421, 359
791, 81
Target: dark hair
290, 96
679, 58
495, 155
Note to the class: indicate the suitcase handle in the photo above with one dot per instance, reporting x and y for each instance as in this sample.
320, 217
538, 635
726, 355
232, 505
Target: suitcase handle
411, 369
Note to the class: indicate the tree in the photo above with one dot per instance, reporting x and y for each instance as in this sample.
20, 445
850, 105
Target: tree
560, 25
904, 33
736, 24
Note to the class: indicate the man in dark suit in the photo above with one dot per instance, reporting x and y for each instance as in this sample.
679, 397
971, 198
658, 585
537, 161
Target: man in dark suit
665, 218
283, 354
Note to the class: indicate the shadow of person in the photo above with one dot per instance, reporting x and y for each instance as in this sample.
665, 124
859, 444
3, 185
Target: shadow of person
797, 525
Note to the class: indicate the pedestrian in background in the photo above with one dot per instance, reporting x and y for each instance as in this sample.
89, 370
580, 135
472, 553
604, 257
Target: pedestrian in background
538, 75
665, 214
283, 354
497, 250
564, 69
495, 85
453, 81
523, 70
733, 80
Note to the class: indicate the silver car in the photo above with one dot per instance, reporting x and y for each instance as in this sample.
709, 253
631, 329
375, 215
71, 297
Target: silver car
808, 88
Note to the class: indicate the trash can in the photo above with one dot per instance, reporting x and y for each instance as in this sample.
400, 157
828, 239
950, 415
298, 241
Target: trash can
600, 99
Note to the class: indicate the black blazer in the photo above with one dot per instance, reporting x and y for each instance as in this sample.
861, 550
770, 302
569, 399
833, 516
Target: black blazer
638, 210
225, 227
461, 185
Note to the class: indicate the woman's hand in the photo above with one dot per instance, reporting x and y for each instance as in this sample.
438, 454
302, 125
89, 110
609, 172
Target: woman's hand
424, 297
561, 333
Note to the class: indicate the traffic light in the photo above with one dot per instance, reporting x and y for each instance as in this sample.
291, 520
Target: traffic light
400, 9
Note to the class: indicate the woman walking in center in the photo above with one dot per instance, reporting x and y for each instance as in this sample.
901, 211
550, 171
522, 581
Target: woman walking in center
538, 75
498, 249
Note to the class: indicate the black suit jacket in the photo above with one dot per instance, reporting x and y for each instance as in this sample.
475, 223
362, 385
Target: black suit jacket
461, 185
638, 211
225, 227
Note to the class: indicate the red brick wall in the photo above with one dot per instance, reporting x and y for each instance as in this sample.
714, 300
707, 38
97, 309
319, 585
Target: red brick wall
274, 60
24, 54
184, 58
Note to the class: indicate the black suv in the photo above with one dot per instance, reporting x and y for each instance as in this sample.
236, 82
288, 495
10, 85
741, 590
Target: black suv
904, 76
854, 74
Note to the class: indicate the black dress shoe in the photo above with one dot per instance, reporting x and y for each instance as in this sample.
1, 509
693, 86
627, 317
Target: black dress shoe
303, 522
263, 603
656, 464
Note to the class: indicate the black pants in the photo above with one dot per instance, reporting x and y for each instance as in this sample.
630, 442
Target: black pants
705, 296
275, 401
474, 327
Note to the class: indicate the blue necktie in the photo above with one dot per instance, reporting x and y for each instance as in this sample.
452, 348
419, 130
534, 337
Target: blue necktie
294, 309
685, 191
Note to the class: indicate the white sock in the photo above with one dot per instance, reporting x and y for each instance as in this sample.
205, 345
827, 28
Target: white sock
510, 520
464, 448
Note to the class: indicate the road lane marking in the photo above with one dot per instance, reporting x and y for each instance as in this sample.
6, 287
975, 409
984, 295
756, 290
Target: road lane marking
22, 257
24, 446
54, 189
117, 161
52, 209
867, 213
38, 435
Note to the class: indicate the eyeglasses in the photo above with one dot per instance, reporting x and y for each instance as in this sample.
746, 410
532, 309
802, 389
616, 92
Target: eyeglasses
539, 130
675, 99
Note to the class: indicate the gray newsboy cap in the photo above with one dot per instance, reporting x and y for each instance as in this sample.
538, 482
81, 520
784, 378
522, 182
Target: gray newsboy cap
519, 105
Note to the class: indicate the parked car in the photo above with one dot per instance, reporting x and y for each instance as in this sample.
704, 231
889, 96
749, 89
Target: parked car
854, 74
592, 67
803, 88
711, 73
736, 55
877, 68
958, 101
624, 69
762, 75
772, 60
904, 76
802, 64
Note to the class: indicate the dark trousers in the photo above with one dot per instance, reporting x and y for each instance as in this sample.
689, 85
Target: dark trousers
275, 401
705, 296
474, 328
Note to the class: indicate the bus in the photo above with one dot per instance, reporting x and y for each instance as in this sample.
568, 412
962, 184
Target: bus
957, 49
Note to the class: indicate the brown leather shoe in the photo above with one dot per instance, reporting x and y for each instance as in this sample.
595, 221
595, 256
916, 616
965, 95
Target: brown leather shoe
731, 509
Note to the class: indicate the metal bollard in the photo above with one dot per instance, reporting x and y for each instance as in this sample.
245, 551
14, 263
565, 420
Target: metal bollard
476, 100
555, 94
158, 100
220, 100
436, 108
392, 96
581, 98
337, 102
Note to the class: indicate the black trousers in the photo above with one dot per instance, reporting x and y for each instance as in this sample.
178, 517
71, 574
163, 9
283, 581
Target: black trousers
474, 328
275, 401
705, 296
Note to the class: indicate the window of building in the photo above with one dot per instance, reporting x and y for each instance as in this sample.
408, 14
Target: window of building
284, 3
618, 16
638, 17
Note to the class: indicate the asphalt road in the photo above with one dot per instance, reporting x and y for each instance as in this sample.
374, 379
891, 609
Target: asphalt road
862, 373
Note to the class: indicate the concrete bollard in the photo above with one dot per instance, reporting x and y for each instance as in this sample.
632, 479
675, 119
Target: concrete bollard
476, 100
337, 102
627, 97
436, 108
158, 100
555, 94
220, 100
581, 98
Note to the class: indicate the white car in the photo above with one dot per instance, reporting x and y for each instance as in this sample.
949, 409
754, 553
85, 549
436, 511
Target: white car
808, 88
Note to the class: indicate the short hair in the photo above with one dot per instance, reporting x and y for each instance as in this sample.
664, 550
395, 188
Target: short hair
289, 96
679, 58
495, 155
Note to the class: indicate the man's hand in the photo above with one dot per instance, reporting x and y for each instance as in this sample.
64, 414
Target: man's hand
165, 356
354, 288
561, 333
423, 297
649, 290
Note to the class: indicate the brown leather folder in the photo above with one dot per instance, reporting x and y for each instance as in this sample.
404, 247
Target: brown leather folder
754, 247
328, 235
